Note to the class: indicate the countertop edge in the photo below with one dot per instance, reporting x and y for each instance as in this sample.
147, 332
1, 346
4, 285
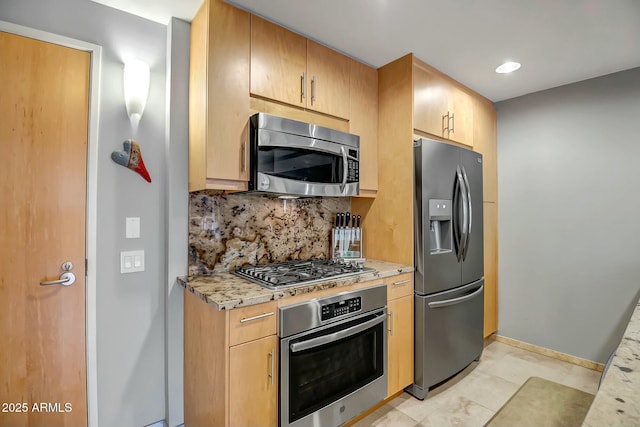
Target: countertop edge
225, 291
617, 402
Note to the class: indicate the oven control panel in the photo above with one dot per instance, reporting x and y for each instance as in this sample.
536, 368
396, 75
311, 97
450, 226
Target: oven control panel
340, 308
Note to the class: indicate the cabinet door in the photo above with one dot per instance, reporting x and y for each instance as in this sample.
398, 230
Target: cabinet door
400, 360
327, 80
460, 116
430, 102
218, 98
484, 142
490, 268
278, 62
363, 121
253, 385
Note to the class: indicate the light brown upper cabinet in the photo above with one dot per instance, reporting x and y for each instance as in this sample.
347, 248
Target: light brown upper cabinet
363, 121
288, 68
441, 107
218, 97
484, 137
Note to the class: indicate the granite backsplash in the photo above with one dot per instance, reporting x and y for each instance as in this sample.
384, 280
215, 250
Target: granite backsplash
230, 230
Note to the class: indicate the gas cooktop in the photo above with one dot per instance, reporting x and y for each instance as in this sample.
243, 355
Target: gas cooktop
295, 273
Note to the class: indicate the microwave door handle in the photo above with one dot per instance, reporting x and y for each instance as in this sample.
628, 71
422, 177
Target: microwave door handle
345, 168
268, 138
326, 339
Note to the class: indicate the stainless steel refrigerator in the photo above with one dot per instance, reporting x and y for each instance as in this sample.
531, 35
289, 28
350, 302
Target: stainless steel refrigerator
449, 262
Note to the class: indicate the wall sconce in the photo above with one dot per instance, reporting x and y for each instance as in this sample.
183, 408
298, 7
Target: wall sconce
136, 89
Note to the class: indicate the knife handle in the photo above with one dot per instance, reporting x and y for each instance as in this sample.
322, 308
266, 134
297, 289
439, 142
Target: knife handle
358, 221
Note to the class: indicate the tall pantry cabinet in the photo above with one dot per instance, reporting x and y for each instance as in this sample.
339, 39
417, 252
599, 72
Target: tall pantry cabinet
416, 100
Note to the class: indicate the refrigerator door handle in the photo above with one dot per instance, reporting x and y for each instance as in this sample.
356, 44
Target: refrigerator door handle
455, 217
470, 214
464, 235
454, 301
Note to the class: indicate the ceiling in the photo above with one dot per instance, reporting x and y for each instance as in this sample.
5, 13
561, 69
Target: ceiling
557, 41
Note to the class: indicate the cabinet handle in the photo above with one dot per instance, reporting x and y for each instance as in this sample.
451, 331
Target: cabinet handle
260, 316
391, 323
313, 90
243, 156
303, 86
445, 128
272, 356
401, 282
453, 122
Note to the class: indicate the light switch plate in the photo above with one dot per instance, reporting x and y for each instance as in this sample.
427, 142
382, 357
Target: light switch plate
132, 227
131, 261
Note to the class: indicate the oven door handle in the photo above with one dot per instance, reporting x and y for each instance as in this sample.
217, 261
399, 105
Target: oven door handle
326, 339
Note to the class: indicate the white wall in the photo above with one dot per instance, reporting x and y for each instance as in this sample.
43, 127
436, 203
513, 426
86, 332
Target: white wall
569, 202
130, 307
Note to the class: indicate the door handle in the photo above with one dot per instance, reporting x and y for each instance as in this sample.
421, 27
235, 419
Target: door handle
66, 279
260, 316
272, 356
465, 213
303, 86
313, 89
454, 301
345, 167
470, 215
445, 128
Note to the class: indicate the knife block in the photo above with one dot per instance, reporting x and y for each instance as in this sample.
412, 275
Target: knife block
346, 243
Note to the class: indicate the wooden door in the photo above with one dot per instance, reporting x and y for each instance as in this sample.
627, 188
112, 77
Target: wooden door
363, 121
484, 142
253, 385
490, 215
400, 361
43, 147
461, 116
328, 80
278, 63
430, 102
219, 98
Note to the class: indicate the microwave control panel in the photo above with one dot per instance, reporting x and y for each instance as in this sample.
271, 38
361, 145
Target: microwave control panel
340, 308
353, 171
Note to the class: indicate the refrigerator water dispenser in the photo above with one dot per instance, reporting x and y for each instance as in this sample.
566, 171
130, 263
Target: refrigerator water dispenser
439, 226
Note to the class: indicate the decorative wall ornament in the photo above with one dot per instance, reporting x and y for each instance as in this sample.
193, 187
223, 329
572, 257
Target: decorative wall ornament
131, 157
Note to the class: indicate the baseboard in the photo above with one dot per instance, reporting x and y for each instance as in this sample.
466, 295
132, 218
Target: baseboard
551, 353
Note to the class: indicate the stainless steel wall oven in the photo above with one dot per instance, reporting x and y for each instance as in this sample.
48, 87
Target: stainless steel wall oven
333, 357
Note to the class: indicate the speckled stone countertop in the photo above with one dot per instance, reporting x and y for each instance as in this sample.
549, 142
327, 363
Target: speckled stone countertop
225, 291
617, 402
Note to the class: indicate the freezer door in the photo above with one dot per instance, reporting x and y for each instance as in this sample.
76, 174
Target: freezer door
436, 262
448, 334
473, 251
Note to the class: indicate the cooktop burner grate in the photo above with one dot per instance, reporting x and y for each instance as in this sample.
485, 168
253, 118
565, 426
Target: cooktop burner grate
294, 273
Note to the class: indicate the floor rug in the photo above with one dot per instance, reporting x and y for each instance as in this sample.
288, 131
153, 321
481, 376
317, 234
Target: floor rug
543, 403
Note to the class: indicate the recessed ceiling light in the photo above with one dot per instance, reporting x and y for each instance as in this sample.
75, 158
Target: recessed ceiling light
508, 67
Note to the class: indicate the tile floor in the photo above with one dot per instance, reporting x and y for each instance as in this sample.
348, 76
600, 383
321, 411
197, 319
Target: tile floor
475, 394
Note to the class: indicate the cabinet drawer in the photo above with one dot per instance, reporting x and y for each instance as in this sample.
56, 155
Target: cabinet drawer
253, 322
399, 286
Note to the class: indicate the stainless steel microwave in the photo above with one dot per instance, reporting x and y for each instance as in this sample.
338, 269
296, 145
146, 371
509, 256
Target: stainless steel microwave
289, 157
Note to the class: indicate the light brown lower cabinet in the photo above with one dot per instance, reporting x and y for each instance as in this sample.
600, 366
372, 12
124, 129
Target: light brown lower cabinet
230, 365
400, 332
253, 385
400, 344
